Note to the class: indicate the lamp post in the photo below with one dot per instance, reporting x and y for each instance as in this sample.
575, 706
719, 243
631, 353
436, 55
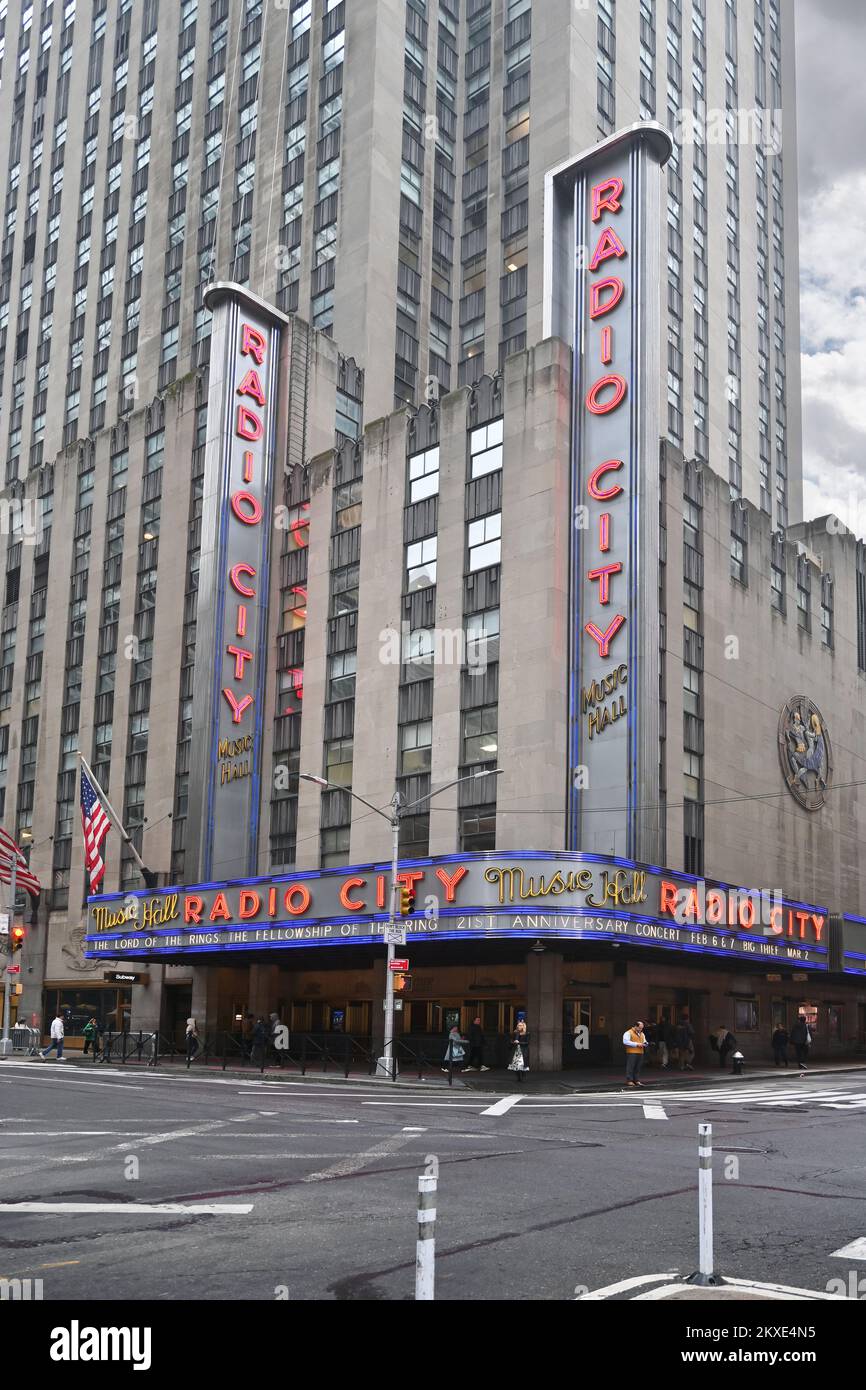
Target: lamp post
387, 1063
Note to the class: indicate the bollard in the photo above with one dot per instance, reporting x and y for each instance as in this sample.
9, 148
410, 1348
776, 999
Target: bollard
425, 1249
705, 1273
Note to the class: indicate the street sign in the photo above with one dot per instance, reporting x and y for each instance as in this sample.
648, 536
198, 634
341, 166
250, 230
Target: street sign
13, 970
398, 1005
398, 964
395, 936
4, 923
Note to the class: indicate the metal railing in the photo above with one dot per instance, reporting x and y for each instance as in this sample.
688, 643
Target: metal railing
25, 1039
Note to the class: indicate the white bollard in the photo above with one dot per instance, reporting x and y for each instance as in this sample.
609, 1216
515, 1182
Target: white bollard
705, 1203
425, 1249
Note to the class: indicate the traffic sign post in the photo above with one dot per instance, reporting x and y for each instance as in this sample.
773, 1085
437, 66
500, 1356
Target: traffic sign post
398, 964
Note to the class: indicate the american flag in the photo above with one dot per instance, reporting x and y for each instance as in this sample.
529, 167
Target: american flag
96, 827
24, 876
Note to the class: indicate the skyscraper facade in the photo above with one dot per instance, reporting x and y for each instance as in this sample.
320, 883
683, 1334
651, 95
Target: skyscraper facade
365, 182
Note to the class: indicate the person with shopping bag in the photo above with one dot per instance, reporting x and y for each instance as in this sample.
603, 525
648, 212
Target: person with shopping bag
455, 1050
520, 1056
634, 1041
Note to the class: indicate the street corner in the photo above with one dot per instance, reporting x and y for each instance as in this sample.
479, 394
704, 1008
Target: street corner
675, 1287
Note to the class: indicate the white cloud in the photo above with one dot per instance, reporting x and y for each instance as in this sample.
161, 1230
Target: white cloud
833, 328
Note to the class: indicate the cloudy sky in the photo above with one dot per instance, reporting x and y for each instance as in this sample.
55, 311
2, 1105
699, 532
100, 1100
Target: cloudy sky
831, 117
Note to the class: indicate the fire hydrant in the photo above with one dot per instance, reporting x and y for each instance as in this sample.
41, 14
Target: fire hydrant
739, 1062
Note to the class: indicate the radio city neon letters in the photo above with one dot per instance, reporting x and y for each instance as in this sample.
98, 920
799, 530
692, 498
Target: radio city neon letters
603, 397
246, 509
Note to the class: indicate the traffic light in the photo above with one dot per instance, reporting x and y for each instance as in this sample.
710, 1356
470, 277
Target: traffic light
17, 936
407, 901
402, 983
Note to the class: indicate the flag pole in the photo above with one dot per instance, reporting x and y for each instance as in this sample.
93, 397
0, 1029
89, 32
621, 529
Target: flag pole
146, 873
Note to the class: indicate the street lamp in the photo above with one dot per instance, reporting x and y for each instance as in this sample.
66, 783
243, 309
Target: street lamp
387, 1062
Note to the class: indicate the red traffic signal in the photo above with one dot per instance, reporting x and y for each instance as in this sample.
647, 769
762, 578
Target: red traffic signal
407, 901
17, 936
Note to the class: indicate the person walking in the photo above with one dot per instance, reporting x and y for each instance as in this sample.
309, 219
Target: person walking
258, 1040
276, 1038
780, 1045
634, 1041
721, 1035
685, 1044
520, 1042
802, 1041
192, 1039
476, 1047
455, 1050
91, 1037
662, 1042
56, 1036
727, 1045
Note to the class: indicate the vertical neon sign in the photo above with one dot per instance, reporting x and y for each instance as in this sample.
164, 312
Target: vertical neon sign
231, 634
602, 233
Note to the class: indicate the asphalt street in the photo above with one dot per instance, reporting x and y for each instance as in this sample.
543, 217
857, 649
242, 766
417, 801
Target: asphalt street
231, 1188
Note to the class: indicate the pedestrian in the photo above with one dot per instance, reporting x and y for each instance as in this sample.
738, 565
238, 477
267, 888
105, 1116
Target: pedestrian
780, 1045
727, 1045
258, 1039
91, 1037
192, 1039
476, 1047
56, 1036
685, 1044
276, 1034
455, 1049
247, 1027
520, 1041
802, 1040
662, 1040
669, 1033
721, 1035
634, 1041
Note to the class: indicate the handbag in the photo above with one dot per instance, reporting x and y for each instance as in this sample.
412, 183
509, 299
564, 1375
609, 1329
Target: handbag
517, 1063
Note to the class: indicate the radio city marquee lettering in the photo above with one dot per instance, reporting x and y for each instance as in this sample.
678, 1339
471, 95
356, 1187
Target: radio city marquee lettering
231, 645
575, 896
602, 229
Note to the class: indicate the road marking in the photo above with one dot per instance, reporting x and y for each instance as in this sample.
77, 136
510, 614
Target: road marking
502, 1105
414, 1129
352, 1163
743, 1286
654, 1112
624, 1285
68, 1133
855, 1251
73, 1081
116, 1208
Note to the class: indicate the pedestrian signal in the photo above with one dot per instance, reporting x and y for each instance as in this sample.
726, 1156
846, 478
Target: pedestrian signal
402, 984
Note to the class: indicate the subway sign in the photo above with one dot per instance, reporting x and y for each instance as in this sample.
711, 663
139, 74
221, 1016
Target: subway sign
231, 634
463, 897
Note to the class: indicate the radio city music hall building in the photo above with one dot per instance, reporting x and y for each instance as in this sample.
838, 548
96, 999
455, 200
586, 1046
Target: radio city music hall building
517, 575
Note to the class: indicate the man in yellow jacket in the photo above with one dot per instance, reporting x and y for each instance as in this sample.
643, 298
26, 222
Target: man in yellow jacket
634, 1041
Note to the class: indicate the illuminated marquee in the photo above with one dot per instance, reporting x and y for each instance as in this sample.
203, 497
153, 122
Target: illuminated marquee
569, 896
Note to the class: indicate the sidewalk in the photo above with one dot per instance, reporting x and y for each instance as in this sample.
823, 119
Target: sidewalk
586, 1080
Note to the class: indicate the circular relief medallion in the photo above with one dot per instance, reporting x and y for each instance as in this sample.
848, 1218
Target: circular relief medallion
804, 752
